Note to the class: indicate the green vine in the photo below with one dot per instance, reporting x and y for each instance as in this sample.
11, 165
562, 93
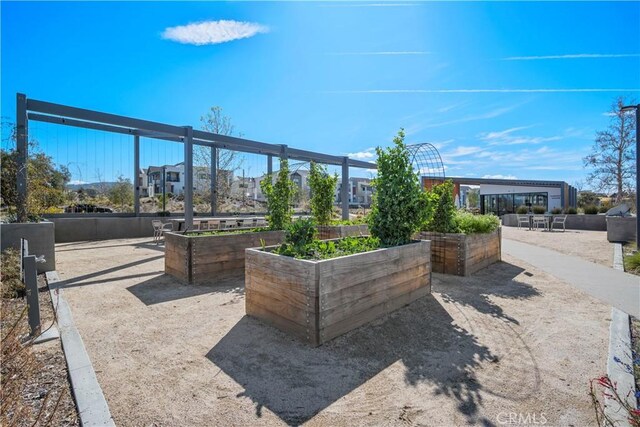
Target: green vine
279, 197
322, 193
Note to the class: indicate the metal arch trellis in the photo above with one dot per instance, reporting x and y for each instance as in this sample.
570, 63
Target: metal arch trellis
426, 161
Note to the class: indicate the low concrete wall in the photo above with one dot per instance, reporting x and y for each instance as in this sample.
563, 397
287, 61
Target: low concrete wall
40, 236
621, 229
81, 229
574, 222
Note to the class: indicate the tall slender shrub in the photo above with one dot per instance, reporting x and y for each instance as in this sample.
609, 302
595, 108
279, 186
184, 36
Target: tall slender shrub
443, 220
399, 205
279, 197
322, 193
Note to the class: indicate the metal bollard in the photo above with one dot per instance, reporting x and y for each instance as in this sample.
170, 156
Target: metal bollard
31, 284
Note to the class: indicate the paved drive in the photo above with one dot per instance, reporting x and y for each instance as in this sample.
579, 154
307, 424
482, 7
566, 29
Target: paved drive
615, 287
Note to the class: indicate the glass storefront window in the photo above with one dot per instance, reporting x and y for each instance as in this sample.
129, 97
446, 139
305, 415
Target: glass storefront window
500, 204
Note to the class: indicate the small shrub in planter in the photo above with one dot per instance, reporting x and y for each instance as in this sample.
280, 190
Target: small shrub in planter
571, 211
322, 187
468, 223
591, 210
279, 197
522, 210
538, 210
556, 211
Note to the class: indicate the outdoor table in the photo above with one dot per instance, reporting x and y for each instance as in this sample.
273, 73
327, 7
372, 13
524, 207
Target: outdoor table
547, 216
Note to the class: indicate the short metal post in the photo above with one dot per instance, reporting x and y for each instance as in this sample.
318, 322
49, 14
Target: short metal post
269, 164
22, 147
344, 191
31, 284
136, 175
214, 180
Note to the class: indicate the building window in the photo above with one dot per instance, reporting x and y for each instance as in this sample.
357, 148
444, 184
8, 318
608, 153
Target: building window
173, 176
501, 204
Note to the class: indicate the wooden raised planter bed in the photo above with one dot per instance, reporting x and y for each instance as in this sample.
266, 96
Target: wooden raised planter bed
209, 258
317, 301
463, 254
327, 232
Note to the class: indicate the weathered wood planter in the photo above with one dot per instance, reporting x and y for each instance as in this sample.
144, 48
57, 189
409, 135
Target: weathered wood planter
463, 254
327, 232
214, 257
317, 301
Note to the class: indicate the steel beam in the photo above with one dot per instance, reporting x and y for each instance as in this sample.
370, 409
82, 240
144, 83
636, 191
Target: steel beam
344, 191
188, 178
22, 147
136, 175
99, 117
214, 180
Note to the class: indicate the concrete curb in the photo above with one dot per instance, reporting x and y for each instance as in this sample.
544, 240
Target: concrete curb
620, 361
92, 406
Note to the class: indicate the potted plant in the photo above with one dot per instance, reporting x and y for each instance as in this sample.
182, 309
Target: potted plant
461, 243
215, 255
317, 290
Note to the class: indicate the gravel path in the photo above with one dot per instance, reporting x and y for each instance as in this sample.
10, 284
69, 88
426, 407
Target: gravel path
510, 339
589, 245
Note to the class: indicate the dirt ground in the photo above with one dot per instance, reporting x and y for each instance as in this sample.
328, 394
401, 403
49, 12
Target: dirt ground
509, 340
589, 245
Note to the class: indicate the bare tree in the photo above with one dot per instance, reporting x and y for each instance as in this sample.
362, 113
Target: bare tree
612, 159
227, 160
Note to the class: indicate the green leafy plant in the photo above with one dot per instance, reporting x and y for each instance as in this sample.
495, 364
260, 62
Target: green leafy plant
571, 211
521, 210
591, 210
322, 193
603, 209
556, 211
444, 215
538, 210
279, 197
632, 263
469, 223
399, 206
326, 249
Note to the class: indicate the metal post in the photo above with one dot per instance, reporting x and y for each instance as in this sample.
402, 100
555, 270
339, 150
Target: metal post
22, 146
188, 178
164, 189
31, 284
136, 175
214, 180
344, 193
269, 164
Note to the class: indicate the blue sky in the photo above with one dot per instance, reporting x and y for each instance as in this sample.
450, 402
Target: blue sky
502, 89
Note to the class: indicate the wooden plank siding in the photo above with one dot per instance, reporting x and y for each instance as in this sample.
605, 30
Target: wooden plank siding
211, 258
463, 255
320, 300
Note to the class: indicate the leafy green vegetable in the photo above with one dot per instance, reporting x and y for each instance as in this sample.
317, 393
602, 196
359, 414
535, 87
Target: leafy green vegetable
326, 249
469, 223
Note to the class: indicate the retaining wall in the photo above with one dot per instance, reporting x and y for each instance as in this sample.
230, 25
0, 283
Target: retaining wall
574, 222
40, 236
621, 229
82, 229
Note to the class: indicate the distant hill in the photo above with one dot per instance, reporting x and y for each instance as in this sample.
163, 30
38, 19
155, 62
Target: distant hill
92, 186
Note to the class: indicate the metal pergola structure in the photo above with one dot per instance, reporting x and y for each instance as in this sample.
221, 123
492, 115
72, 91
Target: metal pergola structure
32, 109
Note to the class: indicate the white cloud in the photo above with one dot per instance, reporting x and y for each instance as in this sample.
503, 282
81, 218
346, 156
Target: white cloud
77, 182
499, 176
367, 154
573, 56
506, 137
213, 32
491, 114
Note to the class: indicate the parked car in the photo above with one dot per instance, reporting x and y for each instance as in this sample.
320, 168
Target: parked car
87, 208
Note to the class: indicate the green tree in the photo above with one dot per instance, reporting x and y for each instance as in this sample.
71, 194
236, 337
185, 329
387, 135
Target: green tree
280, 196
444, 215
473, 198
323, 188
399, 205
121, 193
45, 181
612, 158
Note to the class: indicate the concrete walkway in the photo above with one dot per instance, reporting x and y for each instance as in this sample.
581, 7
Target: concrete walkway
614, 287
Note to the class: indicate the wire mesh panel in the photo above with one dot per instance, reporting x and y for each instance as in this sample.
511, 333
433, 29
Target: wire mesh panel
427, 162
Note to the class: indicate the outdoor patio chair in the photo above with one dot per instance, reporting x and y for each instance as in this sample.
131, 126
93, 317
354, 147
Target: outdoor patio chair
159, 228
539, 220
523, 220
559, 220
